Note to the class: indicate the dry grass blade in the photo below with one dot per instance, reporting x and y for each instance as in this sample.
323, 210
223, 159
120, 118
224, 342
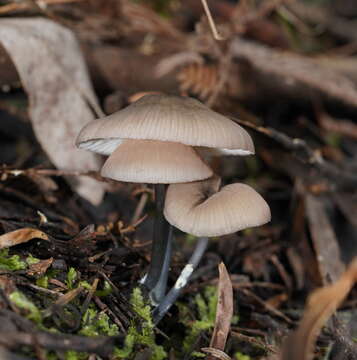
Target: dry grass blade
321, 304
21, 236
224, 311
211, 22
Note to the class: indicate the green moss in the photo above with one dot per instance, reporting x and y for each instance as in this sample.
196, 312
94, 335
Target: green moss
42, 282
21, 301
206, 307
239, 356
107, 289
141, 334
30, 260
11, 263
85, 284
71, 278
95, 324
74, 355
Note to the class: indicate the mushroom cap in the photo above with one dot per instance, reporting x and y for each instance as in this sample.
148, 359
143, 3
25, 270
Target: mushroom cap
198, 208
166, 118
158, 162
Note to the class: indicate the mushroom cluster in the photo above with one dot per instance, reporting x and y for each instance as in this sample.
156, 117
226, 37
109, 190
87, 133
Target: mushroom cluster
158, 140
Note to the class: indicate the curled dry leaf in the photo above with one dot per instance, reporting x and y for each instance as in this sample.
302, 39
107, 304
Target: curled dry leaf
52, 70
21, 236
321, 304
40, 267
224, 312
218, 354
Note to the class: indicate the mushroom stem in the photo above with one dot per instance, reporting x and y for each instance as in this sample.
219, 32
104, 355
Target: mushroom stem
182, 280
161, 248
158, 292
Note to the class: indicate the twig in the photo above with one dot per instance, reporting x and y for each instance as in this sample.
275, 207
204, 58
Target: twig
101, 345
49, 172
89, 296
255, 342
267, 306
215, 33
304, 153
26, 5
112, 315
4, 354
139, 208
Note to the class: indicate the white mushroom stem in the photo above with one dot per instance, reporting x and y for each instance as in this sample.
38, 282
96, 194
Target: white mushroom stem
182, 280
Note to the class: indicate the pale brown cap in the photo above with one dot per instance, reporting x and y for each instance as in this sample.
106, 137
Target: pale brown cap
200, 208
157, 162
167, 118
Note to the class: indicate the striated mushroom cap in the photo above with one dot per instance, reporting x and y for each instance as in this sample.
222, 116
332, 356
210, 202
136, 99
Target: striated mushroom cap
158, 162
200, 208
166, 118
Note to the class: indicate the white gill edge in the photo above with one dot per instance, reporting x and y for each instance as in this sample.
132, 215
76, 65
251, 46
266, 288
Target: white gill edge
101, 146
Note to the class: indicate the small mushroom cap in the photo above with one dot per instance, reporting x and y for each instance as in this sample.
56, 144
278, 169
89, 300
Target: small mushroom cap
166, 118
198, 208
157, 162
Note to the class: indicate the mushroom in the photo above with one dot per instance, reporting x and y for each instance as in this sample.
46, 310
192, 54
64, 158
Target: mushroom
166, 118
200, 208
155, 162
152, 141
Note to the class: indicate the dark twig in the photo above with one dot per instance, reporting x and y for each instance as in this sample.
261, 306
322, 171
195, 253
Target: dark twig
342, 178
101, 345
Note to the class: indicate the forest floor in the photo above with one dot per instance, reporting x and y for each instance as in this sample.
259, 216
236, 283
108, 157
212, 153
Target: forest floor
73, 245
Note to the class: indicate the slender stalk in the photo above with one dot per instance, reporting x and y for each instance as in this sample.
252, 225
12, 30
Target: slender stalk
182, 280
158, 292
160, 241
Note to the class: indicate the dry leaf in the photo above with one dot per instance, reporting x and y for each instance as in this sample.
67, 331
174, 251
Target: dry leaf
52, 70
21, 236
224, 311
321, 305
40, 267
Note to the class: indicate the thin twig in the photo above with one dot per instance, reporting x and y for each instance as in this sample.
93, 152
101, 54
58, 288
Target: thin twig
4, 172
255, 341
215, 33
304, 153
26, 5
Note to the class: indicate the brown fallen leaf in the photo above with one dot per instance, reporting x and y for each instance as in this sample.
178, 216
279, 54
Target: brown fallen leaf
321, 305
40, 267
328, 254
21, 236
53, 72
224, 311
